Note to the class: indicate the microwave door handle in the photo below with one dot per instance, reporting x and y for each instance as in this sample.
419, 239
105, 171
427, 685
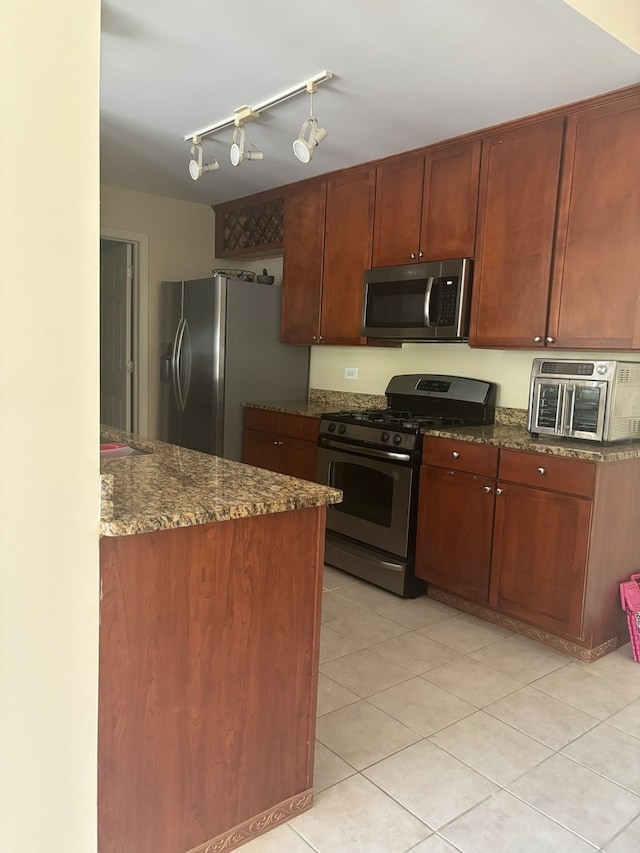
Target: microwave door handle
427, 302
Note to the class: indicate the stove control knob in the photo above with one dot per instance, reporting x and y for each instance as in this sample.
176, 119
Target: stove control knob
331, 427
397, 439
342, 429
384, 436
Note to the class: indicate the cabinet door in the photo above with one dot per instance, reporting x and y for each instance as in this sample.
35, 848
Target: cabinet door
450, 205
516, 215
347, 254
261, 449
455, 523
299, 458
596, 299
302, 266
539, 557
396, 233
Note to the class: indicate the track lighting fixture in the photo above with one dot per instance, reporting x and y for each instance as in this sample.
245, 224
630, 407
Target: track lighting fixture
196, 167
311, 134
237, 154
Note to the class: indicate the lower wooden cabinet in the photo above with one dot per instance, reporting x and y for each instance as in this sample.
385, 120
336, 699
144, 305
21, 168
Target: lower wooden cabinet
545, 540
539, 557
454, 548
281, 442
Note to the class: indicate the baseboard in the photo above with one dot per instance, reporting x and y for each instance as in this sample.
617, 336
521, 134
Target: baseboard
560, 643
257, 825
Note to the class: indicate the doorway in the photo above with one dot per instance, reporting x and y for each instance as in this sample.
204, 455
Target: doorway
123, 331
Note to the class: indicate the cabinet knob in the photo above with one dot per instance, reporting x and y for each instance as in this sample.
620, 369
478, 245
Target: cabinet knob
550, 340
315, 337
537, 339
487, 489
412, 256
455, 454
498, 491
542, 470
420, 254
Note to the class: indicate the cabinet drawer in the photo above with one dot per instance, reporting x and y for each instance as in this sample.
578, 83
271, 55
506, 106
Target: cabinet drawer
299, 426
460, 455
573, 476
262, 419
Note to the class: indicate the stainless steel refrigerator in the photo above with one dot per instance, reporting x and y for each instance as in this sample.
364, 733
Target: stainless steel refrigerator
220, 347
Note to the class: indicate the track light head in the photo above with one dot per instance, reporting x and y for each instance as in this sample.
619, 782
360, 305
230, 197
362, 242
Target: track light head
309, 138
237, 154
196, 167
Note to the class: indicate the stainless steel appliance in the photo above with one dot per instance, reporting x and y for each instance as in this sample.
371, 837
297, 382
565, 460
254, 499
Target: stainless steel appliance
221, 347
593, 400
374, 457
418, 302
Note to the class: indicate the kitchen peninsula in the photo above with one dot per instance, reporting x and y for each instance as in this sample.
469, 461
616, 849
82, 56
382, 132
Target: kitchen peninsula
211, 581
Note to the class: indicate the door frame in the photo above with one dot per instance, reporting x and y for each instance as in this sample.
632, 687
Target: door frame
139, 323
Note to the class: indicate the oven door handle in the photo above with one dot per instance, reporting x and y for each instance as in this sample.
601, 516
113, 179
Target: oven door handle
365, 451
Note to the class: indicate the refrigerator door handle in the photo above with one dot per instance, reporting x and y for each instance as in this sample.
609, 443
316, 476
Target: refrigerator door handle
184, 364
175, 364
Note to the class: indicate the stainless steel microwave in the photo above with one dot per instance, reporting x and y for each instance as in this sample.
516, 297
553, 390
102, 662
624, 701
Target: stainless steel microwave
418, 302
594, 400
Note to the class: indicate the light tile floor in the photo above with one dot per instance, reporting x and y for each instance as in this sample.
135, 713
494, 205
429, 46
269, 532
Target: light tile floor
439, 732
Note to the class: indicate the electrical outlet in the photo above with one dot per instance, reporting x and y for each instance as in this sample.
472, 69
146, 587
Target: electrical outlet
351, 373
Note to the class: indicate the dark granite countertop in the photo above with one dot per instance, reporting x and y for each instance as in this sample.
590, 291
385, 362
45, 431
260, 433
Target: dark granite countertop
172, 487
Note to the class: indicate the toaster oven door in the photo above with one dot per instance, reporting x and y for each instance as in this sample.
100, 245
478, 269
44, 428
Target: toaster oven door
573, 408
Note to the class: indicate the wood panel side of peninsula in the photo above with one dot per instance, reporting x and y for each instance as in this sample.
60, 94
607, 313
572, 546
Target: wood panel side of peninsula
209, 646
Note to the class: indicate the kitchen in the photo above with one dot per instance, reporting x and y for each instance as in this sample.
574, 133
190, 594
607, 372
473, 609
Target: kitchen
40, 764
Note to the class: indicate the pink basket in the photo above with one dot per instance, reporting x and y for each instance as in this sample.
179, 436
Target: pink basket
630, 598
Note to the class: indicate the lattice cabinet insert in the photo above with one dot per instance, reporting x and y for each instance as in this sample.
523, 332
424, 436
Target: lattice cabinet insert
250, 227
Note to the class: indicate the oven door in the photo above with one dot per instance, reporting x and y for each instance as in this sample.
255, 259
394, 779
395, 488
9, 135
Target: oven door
377, 495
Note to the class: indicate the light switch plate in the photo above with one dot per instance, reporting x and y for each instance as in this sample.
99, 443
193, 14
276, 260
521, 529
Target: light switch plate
351, 373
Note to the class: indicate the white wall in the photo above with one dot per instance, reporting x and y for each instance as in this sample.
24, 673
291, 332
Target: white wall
181, 245
509, 368
49, 508
620, 18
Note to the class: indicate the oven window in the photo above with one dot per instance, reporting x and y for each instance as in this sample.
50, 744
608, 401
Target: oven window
367, 493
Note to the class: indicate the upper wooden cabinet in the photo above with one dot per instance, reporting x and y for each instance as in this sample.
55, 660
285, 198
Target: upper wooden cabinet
328, 237
595, 300
557, 253
304, 211
516, 218
426, 206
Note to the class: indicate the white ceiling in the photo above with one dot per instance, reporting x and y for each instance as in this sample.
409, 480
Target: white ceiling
407, 73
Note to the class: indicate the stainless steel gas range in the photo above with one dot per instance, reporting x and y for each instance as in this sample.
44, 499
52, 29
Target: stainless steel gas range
373, 456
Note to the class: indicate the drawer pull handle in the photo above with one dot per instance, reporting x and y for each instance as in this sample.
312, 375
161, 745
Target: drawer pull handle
542, 470
498, 491
487, 489
455, 454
